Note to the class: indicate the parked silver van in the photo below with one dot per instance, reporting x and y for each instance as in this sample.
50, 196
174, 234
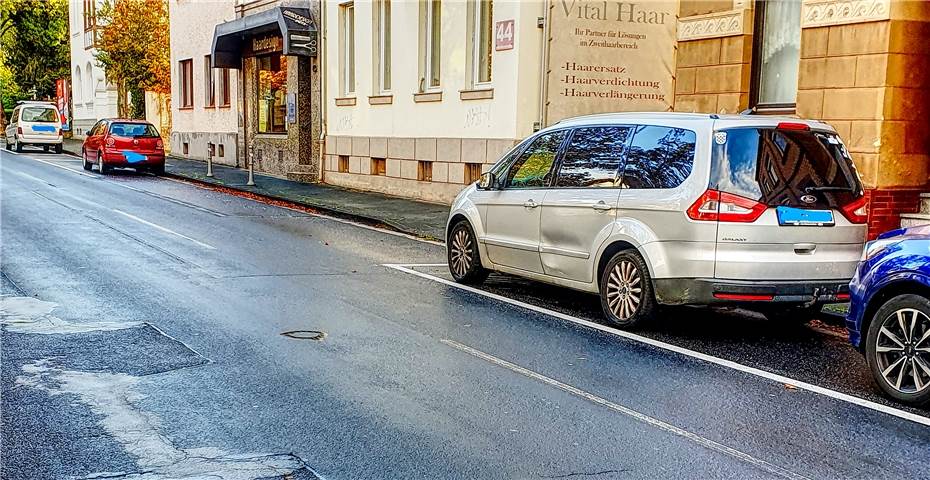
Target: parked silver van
34, 123
652, 209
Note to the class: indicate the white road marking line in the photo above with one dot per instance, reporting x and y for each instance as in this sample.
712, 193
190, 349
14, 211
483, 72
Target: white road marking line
24, 174
705, 442
166, 230
920, 419
60, 166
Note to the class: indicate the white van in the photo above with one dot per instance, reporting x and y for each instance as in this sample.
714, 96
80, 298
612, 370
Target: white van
652, 209
34, 123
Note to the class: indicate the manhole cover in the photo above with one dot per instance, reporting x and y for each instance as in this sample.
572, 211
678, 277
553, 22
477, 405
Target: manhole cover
305, 334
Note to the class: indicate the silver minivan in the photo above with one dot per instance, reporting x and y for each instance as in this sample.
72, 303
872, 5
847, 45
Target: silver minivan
650, 209
34, 123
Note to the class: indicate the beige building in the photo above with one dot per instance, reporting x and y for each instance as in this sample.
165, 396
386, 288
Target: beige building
421, 96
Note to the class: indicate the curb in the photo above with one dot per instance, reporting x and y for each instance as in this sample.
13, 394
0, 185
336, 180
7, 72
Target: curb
364, 219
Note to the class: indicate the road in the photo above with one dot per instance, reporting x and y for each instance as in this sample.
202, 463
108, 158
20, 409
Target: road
142, 338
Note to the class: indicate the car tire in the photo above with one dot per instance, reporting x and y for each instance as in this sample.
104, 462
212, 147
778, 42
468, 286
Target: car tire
626, 291
888, 341
84, 163
158, 170
462, 254
59, 149
102, 167
45, 148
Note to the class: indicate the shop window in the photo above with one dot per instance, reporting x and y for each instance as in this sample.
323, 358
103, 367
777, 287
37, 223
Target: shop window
272, 94
347, 47
209, 92
186, 72
472, 173
223, 80
383, 45
431, 49
343, 163
378, 166
481, 26
425, 171
776, 55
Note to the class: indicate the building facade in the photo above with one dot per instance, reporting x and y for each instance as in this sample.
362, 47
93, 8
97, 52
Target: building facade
422, 96
245, 84
92, 97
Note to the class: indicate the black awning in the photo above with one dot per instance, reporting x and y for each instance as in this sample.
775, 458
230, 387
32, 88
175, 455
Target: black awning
295, 25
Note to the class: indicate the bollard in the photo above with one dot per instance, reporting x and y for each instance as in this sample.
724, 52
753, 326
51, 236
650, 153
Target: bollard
210, 161
251, 181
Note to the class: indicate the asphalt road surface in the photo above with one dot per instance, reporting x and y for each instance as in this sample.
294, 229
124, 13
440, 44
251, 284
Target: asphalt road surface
142, 337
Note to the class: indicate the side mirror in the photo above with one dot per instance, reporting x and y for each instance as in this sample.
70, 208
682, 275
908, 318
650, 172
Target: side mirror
487, 181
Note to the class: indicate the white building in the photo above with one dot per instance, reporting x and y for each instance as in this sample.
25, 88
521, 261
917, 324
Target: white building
92, 96
204, 100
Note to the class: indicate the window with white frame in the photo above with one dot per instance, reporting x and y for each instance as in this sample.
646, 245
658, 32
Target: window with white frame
776, 55
433, 44
382, 36
347, 44
481, 36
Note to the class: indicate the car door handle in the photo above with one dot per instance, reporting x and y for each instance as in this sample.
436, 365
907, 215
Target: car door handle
530, 204
601, 206
804, 248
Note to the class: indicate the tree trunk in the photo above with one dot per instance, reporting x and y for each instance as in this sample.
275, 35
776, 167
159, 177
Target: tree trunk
122, 106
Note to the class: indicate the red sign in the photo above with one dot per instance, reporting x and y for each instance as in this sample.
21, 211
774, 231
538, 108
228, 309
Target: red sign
503, 35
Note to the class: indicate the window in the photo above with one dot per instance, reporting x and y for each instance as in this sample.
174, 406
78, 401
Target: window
272, 93
39, 114
482, 27
186, 72
185, 147
378, 166
15, 115
343, 163
659, 157
778, 167
90, 23
124, 129
347, 44
472, 173
432, 51
209, 92
383, 44
593, 157
221, 150
223, 80
534, 167
425, 171
776, 55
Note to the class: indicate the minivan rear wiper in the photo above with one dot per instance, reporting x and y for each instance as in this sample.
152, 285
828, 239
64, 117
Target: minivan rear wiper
829, 189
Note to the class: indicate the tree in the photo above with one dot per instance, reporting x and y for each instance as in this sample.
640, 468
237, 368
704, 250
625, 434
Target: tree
133, 50
34, 42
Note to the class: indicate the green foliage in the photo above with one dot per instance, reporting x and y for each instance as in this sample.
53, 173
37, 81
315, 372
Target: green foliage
34, 42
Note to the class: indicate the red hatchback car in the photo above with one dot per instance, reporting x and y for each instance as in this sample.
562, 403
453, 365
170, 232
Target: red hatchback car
124, 144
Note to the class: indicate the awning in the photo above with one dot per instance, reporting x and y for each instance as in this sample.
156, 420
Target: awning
295, 25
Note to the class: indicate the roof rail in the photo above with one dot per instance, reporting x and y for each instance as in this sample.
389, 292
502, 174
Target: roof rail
748, 111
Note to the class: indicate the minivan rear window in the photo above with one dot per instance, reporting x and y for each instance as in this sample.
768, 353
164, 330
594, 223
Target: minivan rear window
39, 114
133, 130
799, 168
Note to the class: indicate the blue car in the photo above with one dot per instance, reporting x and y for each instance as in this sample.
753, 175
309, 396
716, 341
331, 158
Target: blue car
889, 313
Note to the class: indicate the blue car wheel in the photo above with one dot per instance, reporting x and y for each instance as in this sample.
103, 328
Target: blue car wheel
898, 348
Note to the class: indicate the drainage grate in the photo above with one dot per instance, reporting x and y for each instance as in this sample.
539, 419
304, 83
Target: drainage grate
305, 334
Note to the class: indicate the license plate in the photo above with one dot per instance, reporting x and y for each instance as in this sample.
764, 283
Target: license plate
45, 129
802, 217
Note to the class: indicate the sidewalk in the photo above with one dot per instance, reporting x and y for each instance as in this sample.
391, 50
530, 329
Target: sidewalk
422, 219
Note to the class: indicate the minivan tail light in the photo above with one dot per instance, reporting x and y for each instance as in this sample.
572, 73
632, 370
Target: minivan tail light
793, 126
719, 206
110, 141
856, 211
19, 130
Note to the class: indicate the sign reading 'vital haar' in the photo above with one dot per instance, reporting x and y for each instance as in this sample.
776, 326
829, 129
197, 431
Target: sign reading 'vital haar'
610, 56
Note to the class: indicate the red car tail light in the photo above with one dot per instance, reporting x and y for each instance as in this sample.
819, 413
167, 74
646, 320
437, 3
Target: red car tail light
744, 297
719, 206
856, 211
110, 141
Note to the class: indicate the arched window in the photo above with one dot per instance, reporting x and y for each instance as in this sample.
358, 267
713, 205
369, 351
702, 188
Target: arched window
77, 85
89, 86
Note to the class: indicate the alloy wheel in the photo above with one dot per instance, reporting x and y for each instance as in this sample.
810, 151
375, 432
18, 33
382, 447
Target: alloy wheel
902, 350
624, 290
462, 252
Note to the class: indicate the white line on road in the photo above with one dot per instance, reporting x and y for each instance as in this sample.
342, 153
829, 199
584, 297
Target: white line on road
705, 442
166, 230
60, 166
26, 175
676, 349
